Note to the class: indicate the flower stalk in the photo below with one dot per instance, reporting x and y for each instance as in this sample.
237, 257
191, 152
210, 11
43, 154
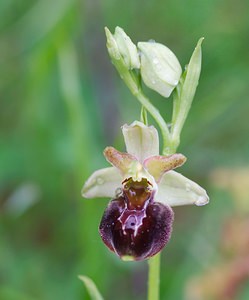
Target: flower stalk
154, 263
154, 277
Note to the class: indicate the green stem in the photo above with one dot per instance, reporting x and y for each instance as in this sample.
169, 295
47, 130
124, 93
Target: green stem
154, 262
154, 278
155, 114
143, 116
133, 83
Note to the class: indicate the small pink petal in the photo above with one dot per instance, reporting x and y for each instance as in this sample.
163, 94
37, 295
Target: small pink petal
121, 160
158, 165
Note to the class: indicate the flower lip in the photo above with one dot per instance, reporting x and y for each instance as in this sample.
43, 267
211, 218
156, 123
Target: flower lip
132, 219
136, 234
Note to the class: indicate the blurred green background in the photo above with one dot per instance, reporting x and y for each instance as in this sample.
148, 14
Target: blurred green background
62, 102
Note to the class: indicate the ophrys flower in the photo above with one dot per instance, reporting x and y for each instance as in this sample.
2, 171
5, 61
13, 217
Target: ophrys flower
138, 221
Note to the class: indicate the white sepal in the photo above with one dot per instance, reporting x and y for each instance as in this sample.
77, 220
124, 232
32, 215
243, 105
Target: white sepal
174, 189
102, 183
141, 141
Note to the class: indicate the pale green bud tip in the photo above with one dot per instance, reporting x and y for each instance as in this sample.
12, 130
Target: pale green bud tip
119, 45
111, 45
160, 69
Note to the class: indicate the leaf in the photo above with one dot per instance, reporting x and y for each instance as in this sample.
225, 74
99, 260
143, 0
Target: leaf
185, 92
91, 288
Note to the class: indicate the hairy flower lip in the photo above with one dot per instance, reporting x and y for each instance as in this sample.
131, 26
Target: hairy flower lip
132, 215
147, 235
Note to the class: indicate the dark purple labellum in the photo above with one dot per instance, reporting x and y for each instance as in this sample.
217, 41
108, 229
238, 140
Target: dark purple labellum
136, 234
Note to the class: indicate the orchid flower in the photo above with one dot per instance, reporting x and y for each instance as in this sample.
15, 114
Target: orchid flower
137, 223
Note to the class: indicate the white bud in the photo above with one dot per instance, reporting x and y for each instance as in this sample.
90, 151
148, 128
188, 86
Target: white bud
160, 69
120, 46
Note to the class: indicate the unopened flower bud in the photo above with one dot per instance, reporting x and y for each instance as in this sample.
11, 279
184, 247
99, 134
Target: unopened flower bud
160, 69
111, 45
120, 46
